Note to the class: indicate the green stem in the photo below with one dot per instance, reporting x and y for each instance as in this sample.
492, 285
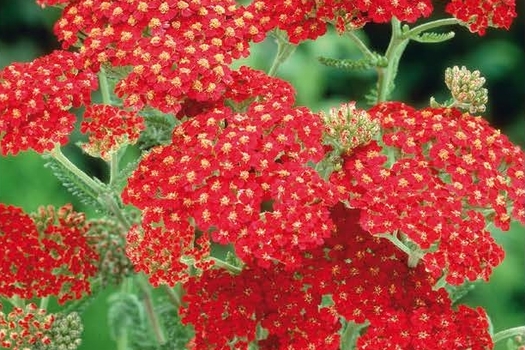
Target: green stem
43, 303
387, 75
106, 99
398, 42
225, 265
16, 301
441, 283
284, 50
122, 341
113, 167
62, 159
430, 25
150, 309
174, 295
123, 338
396, 242
360, 44
350, 334
104, 87
508, 333
106, 198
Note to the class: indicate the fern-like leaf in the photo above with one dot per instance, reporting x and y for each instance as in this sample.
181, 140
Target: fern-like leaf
126, 313
158, 130
371, 97
74, 185
177, 335
376, 60
458, 292
433, 38
122, 177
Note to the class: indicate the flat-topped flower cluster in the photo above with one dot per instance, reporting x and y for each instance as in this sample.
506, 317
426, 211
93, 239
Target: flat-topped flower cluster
340, 221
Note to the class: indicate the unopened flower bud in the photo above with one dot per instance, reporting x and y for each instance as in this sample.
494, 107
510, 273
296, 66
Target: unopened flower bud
65, 334
348, 127
467, 89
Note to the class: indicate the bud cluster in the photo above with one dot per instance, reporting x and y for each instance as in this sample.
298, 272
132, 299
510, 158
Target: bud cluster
348, 127
467, 88
65, 334
109, 240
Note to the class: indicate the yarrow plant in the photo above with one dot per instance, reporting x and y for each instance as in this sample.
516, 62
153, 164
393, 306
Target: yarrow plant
248, 222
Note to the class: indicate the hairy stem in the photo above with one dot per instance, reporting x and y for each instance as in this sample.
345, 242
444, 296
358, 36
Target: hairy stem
225, 265
106, 99
387, 75
62, 159
174, 295
105, 197
284, 50
396, 242
360, 44
145, 289
123, 338
508, 333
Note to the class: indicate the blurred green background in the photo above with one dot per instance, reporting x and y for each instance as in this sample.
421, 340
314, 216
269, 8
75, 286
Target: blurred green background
26, 32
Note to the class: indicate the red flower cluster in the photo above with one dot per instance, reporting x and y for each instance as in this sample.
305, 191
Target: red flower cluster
368, 283
442, 176
240, 178
109, 128
307, 19
25, 328
35, 99
175, 50
45, 256
481, 14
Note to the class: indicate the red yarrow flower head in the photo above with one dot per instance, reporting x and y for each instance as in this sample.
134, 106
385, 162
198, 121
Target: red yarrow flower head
166, 52
25, 328
45, 3
366, 279
449, 175
239, 178
109, 128
303, 20
45, 256
36, 98
478, 15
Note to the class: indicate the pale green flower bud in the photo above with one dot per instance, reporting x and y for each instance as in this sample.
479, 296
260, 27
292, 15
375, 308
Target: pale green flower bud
348, 127
65, 334
467, 89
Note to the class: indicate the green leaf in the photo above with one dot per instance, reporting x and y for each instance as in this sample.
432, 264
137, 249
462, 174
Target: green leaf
458, 292
75, 186
81, 305
371, 97
177, 334
125, 315
122, 177
158, 130
233, 260
376, 60
432, 38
